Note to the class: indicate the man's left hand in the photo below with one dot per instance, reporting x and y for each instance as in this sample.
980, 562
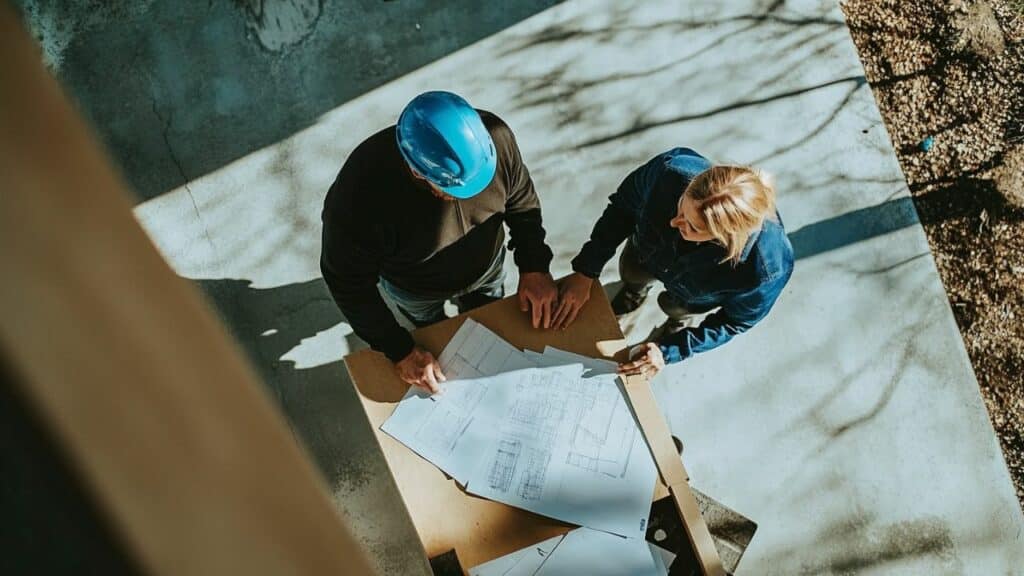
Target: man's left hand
537, 295
647, 362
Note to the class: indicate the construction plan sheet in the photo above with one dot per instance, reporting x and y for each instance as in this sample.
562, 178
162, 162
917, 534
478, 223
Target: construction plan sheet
544, 439
567, 447
581, 551
437, 427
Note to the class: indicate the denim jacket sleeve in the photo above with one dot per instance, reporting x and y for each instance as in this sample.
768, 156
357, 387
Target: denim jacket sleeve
734, 317
619, 217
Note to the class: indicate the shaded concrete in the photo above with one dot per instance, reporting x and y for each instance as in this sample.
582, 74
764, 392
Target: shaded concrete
848, 424
178, 89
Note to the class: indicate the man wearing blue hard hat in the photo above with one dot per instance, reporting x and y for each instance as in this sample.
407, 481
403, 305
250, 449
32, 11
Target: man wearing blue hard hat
420, 208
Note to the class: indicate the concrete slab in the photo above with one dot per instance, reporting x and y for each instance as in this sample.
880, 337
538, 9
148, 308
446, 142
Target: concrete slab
848, 424
159, 78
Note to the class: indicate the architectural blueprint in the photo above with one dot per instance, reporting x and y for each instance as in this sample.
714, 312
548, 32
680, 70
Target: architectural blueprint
568, 448
555, 357
475, 351
545, 439
578, 552
435, 427
524, 562
595, 553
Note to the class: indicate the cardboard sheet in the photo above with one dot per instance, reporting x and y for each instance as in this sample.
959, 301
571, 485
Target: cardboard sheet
486, 529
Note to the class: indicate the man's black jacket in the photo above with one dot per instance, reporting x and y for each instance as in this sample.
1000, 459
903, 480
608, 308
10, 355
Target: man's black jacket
378, 221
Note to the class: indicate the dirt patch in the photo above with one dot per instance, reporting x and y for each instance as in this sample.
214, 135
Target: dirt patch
949, 80
977, 29
1009, 178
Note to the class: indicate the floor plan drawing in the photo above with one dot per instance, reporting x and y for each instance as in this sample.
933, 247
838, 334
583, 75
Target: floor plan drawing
475, 351
603, 432
581, 551
576, 443
438, 427
504, 465
558, 440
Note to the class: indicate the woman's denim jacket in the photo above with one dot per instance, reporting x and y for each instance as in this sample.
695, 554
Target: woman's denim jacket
695, 276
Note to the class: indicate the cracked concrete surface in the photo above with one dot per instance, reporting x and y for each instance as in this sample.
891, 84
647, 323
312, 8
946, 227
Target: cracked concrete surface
177, 164
279, 24
848, 424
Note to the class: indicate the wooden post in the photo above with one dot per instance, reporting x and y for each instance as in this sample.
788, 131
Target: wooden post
162, 421
673, 473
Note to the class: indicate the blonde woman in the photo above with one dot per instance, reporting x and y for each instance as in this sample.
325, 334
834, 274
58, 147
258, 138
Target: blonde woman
709, 233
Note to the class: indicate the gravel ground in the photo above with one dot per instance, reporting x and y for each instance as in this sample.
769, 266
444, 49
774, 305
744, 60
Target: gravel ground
948, 76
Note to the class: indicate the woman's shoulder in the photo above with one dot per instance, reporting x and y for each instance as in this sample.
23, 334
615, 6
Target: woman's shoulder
774, 253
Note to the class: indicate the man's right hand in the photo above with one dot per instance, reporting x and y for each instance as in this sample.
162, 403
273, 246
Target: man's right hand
420, 368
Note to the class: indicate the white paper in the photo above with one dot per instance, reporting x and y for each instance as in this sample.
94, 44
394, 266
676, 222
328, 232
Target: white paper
556, 357
435, 427
476, 351
541, 439
523, 562
568, 448
577, 557
663, 559
594, 366
596, 553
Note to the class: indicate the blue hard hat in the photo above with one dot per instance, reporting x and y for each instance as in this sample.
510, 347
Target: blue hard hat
443, 139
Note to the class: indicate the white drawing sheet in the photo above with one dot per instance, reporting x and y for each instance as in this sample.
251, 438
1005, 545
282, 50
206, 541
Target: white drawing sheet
475, 351
581, 551
542, 439
555, 357
568, 448
523, 562
596, 553
435, 427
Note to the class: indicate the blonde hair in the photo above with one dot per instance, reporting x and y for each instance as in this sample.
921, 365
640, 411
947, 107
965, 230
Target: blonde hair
733, 201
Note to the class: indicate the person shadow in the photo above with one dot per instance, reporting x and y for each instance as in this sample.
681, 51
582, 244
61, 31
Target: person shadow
319, 402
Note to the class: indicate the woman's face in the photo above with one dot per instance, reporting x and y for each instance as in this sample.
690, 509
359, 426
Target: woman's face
689, 222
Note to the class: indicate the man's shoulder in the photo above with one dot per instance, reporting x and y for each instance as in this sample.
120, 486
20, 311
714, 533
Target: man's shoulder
366, 163
492, 121
357, 188
499, 130
378, 149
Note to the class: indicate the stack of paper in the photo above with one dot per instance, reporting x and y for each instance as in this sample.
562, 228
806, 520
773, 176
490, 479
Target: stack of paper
547, 432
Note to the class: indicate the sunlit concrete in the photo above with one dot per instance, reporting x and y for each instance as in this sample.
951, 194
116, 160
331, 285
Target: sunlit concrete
848, 424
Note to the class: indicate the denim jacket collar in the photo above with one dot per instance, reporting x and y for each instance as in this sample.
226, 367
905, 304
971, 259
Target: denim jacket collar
751, 241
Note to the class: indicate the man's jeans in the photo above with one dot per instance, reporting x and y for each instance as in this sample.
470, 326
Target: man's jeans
423, 311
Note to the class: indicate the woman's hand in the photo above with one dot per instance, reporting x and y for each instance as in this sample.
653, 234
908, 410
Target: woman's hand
573, 294
647, 362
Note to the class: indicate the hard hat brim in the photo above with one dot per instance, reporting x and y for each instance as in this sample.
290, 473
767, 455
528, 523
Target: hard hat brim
475, 185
